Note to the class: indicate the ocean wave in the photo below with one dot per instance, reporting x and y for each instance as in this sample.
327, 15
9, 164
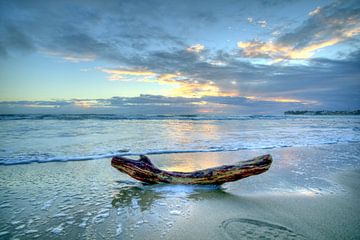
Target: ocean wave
41, 159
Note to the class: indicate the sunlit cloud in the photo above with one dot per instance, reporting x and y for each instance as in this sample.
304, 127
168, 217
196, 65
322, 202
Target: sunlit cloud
197, 48
141, 76
257, 49
129, 72
185, 87
40, 106
169, 78
325, 27
127, 75
280, 100
87, 103
182, 86
196, 89
279, 51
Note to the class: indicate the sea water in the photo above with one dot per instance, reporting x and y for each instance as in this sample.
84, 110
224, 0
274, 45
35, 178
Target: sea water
50, 190
47, 138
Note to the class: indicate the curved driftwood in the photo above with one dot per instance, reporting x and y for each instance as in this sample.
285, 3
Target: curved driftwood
145, 171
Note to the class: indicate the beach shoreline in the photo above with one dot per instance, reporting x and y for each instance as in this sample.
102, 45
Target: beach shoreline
90, 199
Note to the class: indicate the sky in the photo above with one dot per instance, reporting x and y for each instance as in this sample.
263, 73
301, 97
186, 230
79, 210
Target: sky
179, 57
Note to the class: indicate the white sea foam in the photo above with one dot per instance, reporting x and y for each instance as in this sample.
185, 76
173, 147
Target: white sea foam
15, 222
47, 205
175, 212
58, 229
102, 214
60, 214
84, 222
20, 227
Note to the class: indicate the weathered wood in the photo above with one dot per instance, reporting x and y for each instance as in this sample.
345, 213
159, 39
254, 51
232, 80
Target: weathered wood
145, 171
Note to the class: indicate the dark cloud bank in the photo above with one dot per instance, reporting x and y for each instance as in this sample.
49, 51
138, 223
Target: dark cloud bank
149, 104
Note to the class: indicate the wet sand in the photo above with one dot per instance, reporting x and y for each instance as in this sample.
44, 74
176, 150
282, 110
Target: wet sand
309, 193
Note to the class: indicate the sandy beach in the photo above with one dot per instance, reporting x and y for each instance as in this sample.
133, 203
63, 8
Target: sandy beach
91, 200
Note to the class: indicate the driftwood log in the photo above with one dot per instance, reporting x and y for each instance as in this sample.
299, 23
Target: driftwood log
145, 171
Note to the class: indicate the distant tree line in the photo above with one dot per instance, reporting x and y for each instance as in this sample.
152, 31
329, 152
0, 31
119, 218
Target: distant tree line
323, 112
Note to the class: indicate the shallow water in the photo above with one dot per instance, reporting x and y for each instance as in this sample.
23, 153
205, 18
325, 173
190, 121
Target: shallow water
90, 199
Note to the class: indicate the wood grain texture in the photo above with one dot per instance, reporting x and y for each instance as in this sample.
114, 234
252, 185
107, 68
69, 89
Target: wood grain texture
145, 171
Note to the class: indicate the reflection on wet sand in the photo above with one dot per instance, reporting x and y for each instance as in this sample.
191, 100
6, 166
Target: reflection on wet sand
135, 196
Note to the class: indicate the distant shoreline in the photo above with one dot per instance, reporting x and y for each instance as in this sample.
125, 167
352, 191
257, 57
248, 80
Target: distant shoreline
323, 112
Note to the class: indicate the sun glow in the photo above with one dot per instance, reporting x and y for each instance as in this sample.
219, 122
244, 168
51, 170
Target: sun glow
181, 85
275, 99
86, 103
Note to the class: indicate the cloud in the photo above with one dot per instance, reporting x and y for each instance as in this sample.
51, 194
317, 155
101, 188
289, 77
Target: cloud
147, 104
111, 31
274, 99
151, 42
14, 39
127, 75
315, 11
181, 85
198, 89
262, 23
320, 80
322, 84
72, 57
332, 24
197, 48
277, 51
